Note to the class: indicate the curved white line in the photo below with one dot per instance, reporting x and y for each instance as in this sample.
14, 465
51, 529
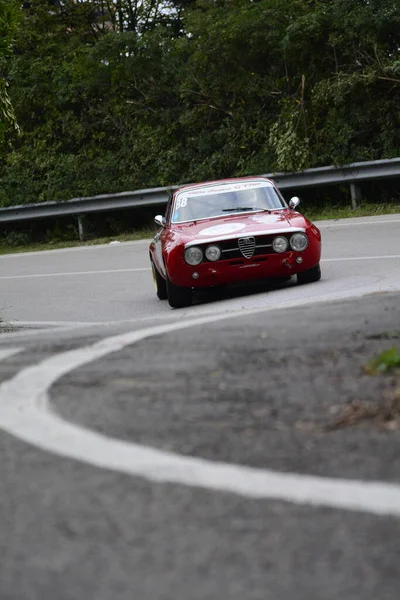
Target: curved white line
25, 412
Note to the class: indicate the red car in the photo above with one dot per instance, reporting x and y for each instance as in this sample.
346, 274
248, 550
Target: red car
229, 231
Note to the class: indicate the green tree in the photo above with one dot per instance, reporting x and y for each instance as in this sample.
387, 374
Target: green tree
121, 94
9, 15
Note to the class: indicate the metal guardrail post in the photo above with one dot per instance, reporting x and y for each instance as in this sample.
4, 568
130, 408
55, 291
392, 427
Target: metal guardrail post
356, 195
81, 228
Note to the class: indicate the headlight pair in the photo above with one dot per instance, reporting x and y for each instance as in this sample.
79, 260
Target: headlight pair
194, 254
298, 242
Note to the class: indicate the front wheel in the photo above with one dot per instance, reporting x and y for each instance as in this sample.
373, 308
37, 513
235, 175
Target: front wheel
313, 274
178, 297
159, 283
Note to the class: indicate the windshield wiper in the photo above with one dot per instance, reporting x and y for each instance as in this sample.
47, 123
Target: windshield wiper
245, 208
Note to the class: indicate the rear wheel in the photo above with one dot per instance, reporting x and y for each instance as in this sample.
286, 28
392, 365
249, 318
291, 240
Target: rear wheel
178, 297
159, 283
313, 274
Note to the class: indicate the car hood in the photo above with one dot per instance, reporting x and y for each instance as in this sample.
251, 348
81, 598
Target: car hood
256, 223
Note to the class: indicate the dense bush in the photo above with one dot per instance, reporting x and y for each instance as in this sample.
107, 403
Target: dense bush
137, 96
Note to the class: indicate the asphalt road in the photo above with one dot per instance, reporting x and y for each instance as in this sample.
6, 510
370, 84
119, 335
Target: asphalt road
113, 283
163, 454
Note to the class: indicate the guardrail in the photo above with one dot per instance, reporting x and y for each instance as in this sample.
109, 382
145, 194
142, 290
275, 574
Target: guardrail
352, 174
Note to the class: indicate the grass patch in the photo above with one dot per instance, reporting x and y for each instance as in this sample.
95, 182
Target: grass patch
385, 362
18, 243
365, 210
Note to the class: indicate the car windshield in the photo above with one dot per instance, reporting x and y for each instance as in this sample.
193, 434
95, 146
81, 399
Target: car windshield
223, 199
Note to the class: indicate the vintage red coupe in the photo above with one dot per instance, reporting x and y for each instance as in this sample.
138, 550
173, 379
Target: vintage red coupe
230, 231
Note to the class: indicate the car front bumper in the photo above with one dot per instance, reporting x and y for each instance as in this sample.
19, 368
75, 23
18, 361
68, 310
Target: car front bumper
269, 266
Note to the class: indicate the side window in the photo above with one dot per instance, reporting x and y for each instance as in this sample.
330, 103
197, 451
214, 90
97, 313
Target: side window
168, 209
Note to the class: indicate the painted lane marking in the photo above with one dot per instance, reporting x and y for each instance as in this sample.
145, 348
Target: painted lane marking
8, 352
25, 412
347, 258
322, 224
36, 275
52, 324
74, 249
73, 273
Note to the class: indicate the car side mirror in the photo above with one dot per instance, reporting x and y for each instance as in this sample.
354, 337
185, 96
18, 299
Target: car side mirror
293, 202
161, 221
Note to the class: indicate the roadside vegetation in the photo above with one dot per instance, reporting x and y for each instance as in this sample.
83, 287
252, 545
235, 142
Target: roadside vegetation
10, 16
24, 245
66, 236
387, 361
129, 94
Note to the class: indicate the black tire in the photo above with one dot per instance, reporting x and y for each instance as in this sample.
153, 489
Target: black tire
159, 283
313, 274
178, 297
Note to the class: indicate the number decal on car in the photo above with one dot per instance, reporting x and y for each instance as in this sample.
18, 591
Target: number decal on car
180, 203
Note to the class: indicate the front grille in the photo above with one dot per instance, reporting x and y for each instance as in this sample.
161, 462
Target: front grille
263, 245
247, 246
239, 248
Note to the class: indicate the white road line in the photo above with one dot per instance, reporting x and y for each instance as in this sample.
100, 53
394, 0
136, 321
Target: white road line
73, 273
51, 325
75, 249
25, 412
323, 225
347, 258
36, 275
7, 352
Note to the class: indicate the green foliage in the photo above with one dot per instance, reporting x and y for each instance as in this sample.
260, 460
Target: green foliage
116, 96
292, 151
9, 14
14, 239
386, 361
59, 232
7, 115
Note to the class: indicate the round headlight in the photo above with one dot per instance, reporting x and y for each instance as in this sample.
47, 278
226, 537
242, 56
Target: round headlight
213, 253
280, 244
193, 255
299, 242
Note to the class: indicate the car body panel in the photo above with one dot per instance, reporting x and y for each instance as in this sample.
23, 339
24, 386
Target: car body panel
168, 247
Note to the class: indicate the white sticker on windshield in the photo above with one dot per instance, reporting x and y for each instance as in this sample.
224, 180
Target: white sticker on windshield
225, 188
181, 202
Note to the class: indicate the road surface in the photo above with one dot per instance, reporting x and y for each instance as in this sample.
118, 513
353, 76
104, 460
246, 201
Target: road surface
153, 453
